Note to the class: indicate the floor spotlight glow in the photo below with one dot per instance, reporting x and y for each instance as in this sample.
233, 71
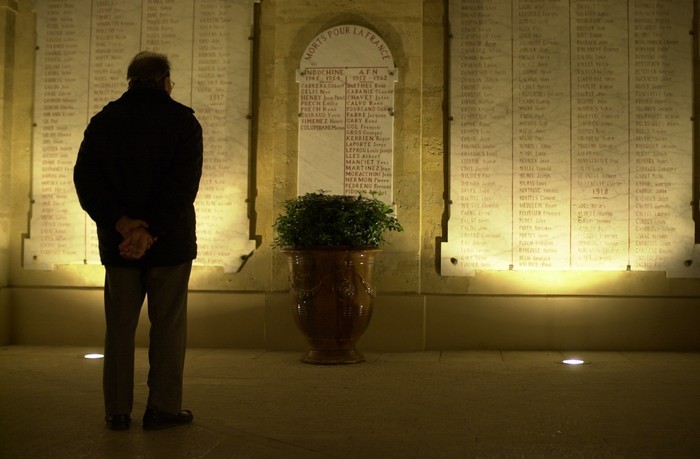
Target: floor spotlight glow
573, 362
94, 356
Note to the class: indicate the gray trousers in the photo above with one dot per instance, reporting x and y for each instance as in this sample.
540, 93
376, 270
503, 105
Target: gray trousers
124, 293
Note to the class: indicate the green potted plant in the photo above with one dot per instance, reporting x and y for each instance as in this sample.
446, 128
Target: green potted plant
331, 242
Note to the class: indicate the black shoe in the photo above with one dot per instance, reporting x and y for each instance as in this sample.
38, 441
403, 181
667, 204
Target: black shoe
118, 421
156, 420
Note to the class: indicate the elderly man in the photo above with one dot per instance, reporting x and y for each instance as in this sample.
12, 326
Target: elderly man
137, 176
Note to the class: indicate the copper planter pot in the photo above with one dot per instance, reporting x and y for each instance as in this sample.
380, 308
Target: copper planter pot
332, 297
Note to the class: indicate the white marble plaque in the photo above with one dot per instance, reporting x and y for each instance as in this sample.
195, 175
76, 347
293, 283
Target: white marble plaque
58, 226
570, 140
540, 230
482, 171
84, 48
599, 129
660, 135
346, 96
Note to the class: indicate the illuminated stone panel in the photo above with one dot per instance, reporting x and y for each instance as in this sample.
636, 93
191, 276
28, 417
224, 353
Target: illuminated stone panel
83, 50
570, 136
346, 97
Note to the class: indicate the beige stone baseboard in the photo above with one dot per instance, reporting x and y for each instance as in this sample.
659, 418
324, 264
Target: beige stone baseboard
401, 323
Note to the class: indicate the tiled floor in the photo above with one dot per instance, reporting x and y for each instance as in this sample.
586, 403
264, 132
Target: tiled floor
255, 404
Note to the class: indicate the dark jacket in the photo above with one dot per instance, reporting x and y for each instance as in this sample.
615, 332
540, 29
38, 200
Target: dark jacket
141, 156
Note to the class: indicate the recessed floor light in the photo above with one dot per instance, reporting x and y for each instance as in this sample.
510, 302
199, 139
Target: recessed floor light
573, 362
94, 356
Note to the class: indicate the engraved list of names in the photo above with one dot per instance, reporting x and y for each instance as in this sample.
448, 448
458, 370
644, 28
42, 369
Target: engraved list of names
84, 48
346, 93
570, 140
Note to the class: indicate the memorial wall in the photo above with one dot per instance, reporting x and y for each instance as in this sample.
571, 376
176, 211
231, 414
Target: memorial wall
570, 136
543, 147
346, 107
570, 132
83, 50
